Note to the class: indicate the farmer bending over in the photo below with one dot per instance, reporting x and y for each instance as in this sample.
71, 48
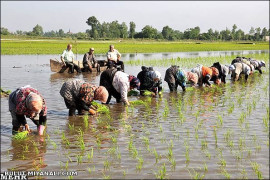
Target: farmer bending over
118, 84
27, 101
205, 74
78, 95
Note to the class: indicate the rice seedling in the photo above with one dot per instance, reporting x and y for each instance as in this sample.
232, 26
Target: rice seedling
215, 135
207, 154
66, 166
107, 164
125, 172
21, 135
220, 120
204, 144
106, 176
90, 155
222, 162
226, 174
140, 163
91, 170
231, 108
161, 172
228, 135
241, 143
137, 102
254, 103
166, 109
85, 120
244, 174
205, 167
146, 142
195, 175
79, 159
53, 144
242, 118
157, 157
103, 109
26, 148
70, 177
256, 169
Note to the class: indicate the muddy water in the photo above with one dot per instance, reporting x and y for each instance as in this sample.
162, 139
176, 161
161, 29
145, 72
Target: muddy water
123, 144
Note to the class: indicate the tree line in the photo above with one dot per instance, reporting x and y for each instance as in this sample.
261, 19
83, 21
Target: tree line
114, 29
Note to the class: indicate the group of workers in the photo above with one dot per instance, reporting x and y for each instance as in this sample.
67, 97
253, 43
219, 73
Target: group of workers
89, 60
79, 95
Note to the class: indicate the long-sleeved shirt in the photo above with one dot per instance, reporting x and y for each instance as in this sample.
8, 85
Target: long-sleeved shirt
113, 55
68, 56
170, 75
17, 101
181, 77
89, 58
121, 84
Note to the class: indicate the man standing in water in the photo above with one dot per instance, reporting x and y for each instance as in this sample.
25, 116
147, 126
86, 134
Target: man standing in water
68, 59
113, 58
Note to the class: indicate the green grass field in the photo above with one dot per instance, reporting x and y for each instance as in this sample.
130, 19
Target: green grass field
46, 46
193, 61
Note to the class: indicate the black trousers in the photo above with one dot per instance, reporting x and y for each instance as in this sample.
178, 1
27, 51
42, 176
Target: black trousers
173, 86
106, 81
114, 64
87, 68
71, 67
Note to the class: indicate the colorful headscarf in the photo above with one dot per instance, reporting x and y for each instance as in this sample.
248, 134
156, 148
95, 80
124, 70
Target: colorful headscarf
193, 77
215, 71
181, 77
101, 94
134, 82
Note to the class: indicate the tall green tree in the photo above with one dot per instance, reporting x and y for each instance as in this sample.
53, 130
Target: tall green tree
257, 34
4, 31
132, 27
61, 33
93, 22
167, 32
37, 30
149, 32
233, 31
115, 29
252, 31
210, 34
123, 30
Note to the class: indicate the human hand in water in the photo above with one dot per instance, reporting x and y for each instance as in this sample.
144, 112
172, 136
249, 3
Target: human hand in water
26, 126
92, 112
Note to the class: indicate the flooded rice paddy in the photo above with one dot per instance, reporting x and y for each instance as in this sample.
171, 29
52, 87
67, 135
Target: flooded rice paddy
213, 133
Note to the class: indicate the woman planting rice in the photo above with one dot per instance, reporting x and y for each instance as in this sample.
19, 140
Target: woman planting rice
27, 101
118, 84
78, 95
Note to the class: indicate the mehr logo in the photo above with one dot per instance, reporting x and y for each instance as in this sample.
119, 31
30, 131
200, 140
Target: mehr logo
20, 175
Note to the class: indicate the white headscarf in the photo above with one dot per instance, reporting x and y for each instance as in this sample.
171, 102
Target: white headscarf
156, 74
